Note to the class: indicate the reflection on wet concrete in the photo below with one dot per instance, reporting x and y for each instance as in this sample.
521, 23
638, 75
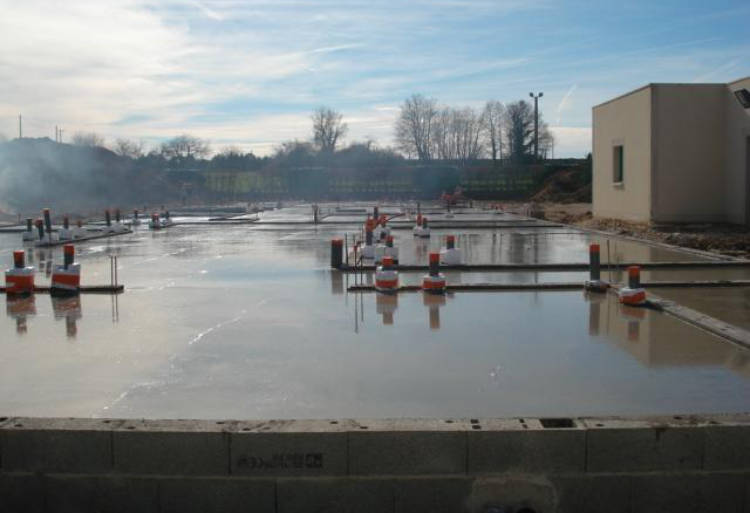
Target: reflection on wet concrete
386, 305
654, 343
434, 302
69, 309
20, 309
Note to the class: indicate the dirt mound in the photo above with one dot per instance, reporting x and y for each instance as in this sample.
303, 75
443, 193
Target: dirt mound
722, 239
566, 186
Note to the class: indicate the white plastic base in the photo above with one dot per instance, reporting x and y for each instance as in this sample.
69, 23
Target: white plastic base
450, 256
420, 231
596, 285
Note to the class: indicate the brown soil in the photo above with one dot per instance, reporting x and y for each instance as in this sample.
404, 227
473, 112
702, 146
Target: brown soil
722, 239
565, 186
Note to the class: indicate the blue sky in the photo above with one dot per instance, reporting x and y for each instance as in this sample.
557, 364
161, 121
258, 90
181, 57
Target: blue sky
249, 73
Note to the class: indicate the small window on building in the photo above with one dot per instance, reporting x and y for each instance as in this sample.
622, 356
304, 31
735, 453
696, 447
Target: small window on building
618, 164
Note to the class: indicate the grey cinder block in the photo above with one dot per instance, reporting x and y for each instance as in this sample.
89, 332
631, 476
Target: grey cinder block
340, 495
407, 452
220, 495
289, 454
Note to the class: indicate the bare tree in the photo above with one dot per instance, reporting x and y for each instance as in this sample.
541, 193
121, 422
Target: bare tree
185, 146
546, 141
456, 135
414, 126
88, 139
443, 141
328, 129
467, 125
493, 118
128, 148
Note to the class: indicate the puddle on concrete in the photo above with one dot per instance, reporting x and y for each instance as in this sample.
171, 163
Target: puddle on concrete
246, 322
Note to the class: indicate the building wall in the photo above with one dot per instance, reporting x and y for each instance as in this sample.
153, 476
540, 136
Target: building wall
737, 189
688, 128
624, 121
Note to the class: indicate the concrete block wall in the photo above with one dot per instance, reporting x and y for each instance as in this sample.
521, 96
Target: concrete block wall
674, 463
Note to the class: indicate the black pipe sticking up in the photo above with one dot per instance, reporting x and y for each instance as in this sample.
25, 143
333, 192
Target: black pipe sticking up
68, 255
107, 218
434, 264
40, 228
47, 221
117, 215
29, 224
594, 263
337, 251
66, 222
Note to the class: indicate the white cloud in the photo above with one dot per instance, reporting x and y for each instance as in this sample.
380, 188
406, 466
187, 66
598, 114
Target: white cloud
571, 141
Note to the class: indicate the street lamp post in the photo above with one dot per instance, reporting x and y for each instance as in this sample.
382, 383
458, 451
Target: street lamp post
536, 123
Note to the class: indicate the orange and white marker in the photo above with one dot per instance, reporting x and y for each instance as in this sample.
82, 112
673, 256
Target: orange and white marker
595, 282
154, 224
450, 254
385, 230
434, 282
79, 232
633, 294
387, 249
19, 280
422, 230
28, 235
417, 227
368, 250
386, 277
66, 278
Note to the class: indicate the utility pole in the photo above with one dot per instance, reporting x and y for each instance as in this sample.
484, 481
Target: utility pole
56, 135
536, 123
61, 132
20, 128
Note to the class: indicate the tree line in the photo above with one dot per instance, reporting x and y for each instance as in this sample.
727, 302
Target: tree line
427, 131
424, 130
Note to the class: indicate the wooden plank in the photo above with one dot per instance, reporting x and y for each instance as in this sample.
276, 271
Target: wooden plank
565, 266
84, 289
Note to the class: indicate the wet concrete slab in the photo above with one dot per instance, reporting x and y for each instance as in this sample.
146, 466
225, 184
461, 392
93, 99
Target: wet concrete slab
728, 305
249, 322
